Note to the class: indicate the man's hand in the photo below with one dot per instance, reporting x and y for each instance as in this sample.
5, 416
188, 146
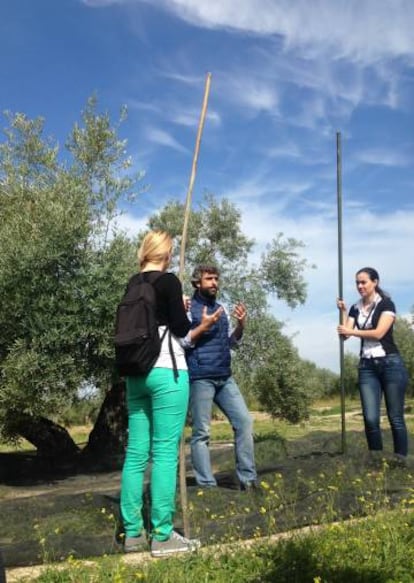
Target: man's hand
240, 313
187, 303
208, 320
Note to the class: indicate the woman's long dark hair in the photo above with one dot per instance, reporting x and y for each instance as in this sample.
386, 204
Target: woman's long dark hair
374, 275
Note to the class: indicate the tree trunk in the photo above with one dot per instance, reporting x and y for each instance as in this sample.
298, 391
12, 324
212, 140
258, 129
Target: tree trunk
50, 439
108, 436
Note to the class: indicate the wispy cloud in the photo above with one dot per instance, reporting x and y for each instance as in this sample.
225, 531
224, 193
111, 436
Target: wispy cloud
384, 157
163, 138
175, 112
330, 89
286, 150
346, 29
186, 78
267, 192
144, 106
191, 118
343, 54
253, 93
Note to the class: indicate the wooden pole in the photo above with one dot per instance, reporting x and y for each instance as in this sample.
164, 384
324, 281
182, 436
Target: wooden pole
193, 175
183, 482
340, 282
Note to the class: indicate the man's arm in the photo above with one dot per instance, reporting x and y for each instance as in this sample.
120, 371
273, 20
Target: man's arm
240, 313
207, 321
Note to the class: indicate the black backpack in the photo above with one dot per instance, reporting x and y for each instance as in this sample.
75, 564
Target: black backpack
137, 341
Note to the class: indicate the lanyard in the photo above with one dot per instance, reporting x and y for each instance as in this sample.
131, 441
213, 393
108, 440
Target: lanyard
364, 324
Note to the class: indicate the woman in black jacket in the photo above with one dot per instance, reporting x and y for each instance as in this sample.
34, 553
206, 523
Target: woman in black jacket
157, 406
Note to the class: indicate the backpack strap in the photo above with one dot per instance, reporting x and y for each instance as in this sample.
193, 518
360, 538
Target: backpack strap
174, 362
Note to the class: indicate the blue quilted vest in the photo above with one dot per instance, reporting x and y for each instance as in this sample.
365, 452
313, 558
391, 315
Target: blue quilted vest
210, 358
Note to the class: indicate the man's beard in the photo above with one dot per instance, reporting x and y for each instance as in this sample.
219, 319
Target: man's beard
208, 293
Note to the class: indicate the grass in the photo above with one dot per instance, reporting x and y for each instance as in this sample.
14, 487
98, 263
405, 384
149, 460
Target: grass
305, 481
378, 550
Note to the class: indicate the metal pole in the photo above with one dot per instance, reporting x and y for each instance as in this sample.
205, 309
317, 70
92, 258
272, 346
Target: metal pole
183, 481
340, 282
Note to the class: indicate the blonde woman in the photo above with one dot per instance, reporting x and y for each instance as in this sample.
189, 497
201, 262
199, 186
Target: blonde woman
157, 406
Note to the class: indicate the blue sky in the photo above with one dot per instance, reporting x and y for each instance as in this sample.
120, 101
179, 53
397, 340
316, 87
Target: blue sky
286, 76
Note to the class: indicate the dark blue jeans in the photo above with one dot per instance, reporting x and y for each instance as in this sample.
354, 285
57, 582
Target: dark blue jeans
386, 375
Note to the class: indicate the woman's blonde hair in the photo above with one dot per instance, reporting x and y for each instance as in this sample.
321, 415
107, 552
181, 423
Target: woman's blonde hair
155, 248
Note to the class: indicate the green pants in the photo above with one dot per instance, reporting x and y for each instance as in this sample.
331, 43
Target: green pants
157, 408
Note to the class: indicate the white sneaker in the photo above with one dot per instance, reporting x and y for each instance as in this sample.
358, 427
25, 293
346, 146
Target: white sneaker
134, 544
175, 544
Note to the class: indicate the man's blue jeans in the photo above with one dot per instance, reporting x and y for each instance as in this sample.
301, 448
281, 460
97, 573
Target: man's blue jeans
386, 375
225, 393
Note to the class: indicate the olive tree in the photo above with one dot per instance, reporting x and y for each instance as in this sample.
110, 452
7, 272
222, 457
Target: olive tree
62, 271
